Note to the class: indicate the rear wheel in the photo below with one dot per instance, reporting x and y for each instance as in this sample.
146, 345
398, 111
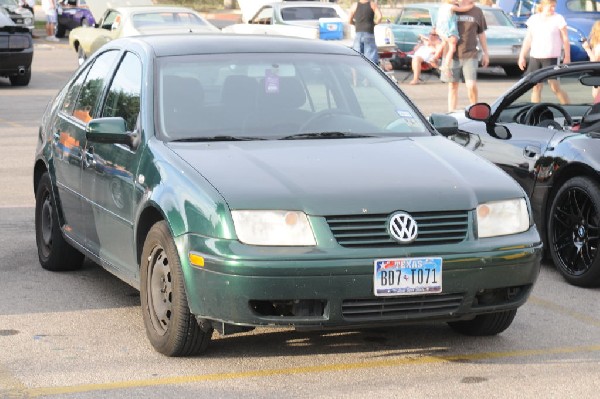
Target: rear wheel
574, 231
171, 328
485, 324
60, 30
21, 80
54, 252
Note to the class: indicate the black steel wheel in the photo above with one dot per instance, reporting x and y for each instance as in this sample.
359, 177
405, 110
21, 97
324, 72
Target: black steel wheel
574, 231
170, 327
485, 324
54, 252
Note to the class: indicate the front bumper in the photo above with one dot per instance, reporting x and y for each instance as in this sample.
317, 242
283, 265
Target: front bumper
311, 293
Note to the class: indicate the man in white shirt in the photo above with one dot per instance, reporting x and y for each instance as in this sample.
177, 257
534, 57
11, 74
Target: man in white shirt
49, 7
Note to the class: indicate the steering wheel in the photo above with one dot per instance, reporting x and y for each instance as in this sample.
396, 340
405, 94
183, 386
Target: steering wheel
320, 116
518, 117
533, 112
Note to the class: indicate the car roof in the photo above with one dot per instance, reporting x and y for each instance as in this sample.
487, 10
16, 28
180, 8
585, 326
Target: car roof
223, 43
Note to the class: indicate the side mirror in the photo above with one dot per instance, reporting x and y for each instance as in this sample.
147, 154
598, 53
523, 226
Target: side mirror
445, 124
478, 112
111, 130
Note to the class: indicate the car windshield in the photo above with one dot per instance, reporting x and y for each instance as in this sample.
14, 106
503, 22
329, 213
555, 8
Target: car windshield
8, 3
308, 13
589, 6
166, 18
497, 18
277, 96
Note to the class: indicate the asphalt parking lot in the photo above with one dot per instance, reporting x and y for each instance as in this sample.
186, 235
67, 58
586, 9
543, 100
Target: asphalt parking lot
80, 334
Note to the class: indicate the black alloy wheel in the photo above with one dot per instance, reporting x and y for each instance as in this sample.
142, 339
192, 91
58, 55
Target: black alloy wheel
574, 231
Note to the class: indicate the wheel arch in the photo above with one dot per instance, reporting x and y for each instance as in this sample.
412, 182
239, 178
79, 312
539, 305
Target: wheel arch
567, 172
148, 217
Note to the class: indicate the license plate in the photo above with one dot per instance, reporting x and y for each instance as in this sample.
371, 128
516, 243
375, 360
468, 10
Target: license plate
407, 276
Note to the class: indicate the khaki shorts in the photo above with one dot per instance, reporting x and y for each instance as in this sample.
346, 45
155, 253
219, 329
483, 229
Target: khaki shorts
468, 67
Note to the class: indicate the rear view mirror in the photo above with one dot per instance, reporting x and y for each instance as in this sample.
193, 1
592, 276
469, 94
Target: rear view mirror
478, 112
445, 124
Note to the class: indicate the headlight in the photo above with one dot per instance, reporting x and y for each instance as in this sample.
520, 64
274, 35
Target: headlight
282, 228
502, 218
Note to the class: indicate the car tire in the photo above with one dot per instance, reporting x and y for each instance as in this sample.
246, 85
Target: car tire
485, 324
21, 80
512, 71
54, 252
81, 57
170, 327
60, 30
573, 232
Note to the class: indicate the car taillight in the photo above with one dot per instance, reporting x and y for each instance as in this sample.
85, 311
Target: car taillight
19, 42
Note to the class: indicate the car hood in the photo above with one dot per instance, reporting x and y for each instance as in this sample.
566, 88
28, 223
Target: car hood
348, 176
166, 29
505, 33
97, 7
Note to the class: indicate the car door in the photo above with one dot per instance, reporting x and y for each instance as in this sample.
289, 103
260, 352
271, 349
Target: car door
110, 184
78, 108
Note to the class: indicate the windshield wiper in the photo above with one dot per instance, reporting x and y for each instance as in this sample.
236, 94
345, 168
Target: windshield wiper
217, 138
324, 135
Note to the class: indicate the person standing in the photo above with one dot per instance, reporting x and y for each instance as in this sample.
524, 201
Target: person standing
471, 31
447, 28
592, 48
364, 15
546, 38
49, 7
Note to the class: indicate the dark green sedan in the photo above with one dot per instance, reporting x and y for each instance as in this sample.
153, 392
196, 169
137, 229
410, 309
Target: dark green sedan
244, 181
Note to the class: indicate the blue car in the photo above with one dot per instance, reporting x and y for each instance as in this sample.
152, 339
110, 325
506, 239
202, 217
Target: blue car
72, 14
580, 16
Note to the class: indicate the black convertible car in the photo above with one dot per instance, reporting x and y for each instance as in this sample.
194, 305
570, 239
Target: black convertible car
552, 148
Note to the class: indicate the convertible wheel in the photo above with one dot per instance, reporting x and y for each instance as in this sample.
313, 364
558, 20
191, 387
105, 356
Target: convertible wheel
485, 324
81, 57
54, 252
574, 231
171, 328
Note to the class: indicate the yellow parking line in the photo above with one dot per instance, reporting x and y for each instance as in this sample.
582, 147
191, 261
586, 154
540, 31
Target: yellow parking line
13, 124
564, 311
302, 370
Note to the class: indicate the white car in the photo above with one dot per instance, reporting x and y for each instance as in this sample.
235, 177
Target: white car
133, 21
307, 19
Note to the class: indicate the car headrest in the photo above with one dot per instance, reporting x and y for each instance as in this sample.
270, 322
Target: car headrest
239, 91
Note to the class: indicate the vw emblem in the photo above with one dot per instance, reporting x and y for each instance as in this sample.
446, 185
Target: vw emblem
403, 227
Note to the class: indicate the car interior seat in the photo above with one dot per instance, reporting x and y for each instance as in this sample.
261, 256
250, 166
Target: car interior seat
591, 119
238, 101
182, 101
280, 100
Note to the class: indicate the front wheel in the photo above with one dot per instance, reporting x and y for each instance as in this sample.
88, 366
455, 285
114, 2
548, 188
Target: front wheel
54, 252
574, 231
485, 324
170, 327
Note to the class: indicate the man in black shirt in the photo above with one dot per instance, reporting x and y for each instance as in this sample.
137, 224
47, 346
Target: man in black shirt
364, 15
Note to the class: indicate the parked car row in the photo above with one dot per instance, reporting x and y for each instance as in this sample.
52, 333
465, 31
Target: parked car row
21, 16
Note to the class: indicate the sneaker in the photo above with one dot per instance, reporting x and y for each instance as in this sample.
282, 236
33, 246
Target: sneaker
52, 39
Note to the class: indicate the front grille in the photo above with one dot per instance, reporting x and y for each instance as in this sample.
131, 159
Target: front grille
400, 307
372, 230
